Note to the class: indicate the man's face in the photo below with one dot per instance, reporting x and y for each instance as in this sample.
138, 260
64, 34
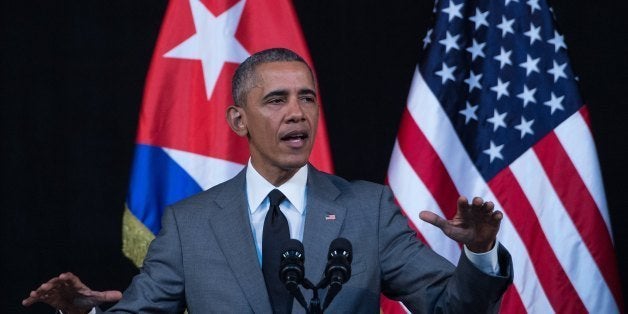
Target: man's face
280, 117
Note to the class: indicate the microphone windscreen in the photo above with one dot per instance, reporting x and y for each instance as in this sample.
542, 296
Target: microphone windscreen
341, 244
293, 245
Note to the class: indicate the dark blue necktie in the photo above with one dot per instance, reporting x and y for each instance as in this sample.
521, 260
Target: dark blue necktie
276, 232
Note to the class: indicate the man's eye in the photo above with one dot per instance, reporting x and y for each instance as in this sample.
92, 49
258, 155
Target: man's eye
275, 101
308, 98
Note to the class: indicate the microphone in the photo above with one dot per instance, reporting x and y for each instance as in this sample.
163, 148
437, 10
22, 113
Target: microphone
338, 270
291, 270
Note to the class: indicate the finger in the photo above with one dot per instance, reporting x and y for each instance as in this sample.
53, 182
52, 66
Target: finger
40, 294
490, 206
497, 217
477, 204
109, 296
433, 219
91, 299
32, 298
45, 287
463, 203
70, 279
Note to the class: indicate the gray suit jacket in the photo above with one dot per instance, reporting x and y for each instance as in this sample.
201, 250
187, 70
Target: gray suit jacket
205, 259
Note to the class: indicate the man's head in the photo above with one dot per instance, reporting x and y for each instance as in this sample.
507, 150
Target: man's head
276, 108
244, 77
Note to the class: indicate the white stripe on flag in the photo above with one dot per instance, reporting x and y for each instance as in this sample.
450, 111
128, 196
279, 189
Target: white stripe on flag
434, 123
413, 197
562, 234
575, 136
206, 171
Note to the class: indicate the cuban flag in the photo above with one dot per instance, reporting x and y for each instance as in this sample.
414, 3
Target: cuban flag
184, 144
494, 111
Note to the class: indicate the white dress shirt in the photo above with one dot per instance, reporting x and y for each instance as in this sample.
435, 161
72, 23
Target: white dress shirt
293, 207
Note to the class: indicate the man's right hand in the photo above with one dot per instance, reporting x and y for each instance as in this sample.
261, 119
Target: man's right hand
68, 294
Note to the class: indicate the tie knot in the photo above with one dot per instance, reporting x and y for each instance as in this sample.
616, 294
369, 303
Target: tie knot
276, 197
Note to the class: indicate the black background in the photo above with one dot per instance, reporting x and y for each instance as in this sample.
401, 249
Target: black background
71, 80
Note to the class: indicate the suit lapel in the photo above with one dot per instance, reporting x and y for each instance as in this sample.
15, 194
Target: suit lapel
232, 229
324, 219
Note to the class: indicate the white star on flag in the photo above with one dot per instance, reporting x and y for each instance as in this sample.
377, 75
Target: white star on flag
534, 5
479, 18
497, 120
446, 73
558, 70
494, 151
469, 113
427, 40
474, 81
503, 57
506, 26
534, 33
449, 42
453, 10
558, 41
531, 65
501, 88
214, 42
525, 127
555, 103
527, 96
476, 49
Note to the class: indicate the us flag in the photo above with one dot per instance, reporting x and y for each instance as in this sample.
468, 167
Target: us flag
494, 111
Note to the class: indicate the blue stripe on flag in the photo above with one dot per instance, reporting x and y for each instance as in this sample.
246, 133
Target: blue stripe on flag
156, 181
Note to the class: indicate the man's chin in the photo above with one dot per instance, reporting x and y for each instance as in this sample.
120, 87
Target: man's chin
295, 163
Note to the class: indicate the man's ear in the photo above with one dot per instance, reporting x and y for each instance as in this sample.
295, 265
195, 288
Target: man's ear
236, 120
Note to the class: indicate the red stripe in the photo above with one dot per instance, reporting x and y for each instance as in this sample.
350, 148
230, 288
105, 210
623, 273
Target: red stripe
581, 207
584, 112
389, 306
427, 165
511, 303
560, 292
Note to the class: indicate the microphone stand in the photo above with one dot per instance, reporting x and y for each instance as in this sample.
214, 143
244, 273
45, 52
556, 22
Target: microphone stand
314, 306
338, 271
315, 302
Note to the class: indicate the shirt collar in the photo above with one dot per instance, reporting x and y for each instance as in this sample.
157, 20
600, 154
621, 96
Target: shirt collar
257, 188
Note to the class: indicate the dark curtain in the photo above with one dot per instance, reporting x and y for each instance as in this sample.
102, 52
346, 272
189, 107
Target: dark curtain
71, 80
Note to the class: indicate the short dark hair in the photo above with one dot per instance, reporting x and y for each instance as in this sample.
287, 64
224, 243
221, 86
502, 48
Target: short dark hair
245, 72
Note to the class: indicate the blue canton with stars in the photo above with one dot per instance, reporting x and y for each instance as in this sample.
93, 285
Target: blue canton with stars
500, 70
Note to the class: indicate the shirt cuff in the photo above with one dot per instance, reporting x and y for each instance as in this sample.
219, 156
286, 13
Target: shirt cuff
486, 262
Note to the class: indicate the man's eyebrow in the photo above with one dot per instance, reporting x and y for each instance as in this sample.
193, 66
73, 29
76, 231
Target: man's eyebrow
279, 92
307, 91
283, 93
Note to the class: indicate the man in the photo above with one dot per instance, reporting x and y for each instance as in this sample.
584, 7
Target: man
211, 255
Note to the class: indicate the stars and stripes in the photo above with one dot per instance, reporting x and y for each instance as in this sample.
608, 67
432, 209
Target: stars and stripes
494, 111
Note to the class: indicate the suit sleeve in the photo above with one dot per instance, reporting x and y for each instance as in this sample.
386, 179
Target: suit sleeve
159, 287
425, 281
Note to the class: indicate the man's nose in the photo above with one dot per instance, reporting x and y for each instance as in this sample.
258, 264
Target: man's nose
295, 111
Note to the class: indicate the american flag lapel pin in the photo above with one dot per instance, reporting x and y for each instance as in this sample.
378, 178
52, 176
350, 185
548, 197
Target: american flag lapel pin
330, 217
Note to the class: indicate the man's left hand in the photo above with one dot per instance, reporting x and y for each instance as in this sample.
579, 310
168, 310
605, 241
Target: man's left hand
475, 225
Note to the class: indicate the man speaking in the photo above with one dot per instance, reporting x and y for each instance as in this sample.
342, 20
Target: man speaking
217, 251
